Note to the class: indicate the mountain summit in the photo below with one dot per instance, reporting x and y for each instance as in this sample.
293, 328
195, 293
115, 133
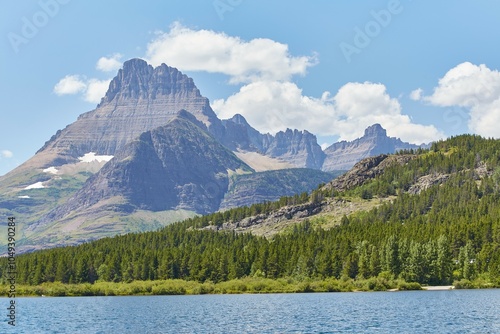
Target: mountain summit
296, 148
140, 98
343, 155
375, 131
153, 152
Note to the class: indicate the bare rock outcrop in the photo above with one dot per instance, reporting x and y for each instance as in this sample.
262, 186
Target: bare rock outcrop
366, 170
427, 181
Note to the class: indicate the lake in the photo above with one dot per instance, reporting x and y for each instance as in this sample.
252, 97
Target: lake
454, 311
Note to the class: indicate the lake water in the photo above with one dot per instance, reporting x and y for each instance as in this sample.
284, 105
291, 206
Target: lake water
454, 311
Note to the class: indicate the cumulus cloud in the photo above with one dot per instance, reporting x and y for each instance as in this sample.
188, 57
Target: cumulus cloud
416, 94
96, 89
109, 64
475, 87
92, 89
215, 52
70, 84
6, 154
271, 106
274, 106
267, 97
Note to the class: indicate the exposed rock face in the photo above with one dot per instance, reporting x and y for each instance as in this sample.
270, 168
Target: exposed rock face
161, 161
140, 98
343, 155
176, 166
283, 214
248, 189
366, 170
299, 148
164, 159
427, 181
240, 135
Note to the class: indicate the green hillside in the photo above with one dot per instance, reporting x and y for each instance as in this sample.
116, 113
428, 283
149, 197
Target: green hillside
245, 189
440, 224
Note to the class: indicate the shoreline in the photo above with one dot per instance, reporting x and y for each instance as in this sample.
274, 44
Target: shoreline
438, 288
247, 285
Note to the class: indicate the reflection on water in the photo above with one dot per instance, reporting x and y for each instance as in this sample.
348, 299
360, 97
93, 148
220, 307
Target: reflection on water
454, 311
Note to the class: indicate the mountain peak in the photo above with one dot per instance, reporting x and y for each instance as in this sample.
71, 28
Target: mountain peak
375, 130
140, 98
139, 80
239, 119
343, 155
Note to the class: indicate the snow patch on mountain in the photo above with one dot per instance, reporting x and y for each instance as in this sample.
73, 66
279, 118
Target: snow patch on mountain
50, 170
91, 156
38, 185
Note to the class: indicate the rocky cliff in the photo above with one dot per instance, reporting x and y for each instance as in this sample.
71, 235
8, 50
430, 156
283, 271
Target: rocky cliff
366, 170
343, 155
268, 186
176, 166
154, 149
140, 98
298, 148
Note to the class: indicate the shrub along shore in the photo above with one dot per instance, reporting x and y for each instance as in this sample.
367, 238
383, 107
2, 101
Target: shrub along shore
237, 286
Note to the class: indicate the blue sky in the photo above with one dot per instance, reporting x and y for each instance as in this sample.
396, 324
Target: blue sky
423, 69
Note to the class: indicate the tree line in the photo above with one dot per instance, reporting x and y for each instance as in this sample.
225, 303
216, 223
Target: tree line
448, 232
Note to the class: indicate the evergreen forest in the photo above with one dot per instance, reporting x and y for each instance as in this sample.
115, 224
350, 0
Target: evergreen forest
448, 233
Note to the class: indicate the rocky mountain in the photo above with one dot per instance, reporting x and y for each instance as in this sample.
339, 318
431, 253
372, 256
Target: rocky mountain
298, 148
153, 152
343, 155
245, 189
367, 169
140, 98
179, 166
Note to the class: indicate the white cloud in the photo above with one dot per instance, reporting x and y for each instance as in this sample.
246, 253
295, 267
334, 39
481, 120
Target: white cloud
324, 146
360, 105
109, 64
6, 154
92, 89
485, 119
467, 85
476, 88
268, 99
416, 94
70, 84
274, 106
96, 89
206, 50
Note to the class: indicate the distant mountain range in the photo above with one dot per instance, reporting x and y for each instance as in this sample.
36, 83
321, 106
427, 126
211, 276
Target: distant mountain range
154, 151
344, 154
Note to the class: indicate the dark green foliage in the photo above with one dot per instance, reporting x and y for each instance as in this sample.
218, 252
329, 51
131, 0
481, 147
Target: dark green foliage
448, 232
